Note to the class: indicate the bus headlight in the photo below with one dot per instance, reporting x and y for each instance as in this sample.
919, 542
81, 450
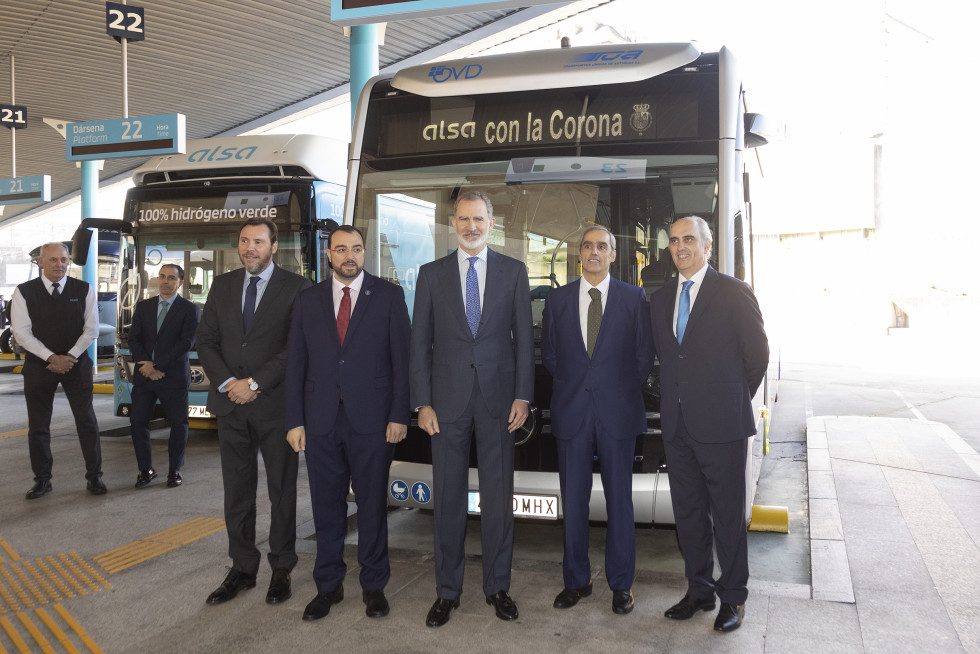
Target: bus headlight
122, 372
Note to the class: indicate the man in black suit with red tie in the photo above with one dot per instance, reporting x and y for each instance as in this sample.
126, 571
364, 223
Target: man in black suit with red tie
347, 406
713, 352
161, 335
241, 342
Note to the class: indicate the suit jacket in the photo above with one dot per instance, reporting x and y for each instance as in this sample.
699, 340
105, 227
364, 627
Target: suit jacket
370, 369
717, 370
608, 386
167, 349
445, 353
226, 351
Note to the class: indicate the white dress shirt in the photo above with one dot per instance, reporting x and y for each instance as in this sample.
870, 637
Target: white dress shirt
698, 279
584, 300
21, 319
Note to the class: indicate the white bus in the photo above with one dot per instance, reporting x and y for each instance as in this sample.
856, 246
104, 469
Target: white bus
629, 137
188, 208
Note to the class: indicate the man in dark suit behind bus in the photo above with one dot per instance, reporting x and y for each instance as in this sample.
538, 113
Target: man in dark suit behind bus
241, 342
161, 335
713, 354
472, 371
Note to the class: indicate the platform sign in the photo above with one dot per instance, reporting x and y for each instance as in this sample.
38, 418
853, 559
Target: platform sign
17, 190
13, 116
141, 136
124, 21
362, 12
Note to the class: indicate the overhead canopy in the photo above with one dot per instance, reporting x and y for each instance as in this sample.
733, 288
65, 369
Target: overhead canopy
227, 65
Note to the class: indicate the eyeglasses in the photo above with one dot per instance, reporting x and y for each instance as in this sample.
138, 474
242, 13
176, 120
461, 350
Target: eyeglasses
588, 246
343, 250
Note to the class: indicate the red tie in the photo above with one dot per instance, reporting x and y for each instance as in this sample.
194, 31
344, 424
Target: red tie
343, 316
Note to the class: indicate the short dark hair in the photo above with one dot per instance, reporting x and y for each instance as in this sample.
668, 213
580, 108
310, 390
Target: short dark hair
273, 230
474, 196
180, 271
347, 229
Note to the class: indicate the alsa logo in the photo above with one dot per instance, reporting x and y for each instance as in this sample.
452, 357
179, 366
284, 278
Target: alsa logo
621, 55
221, 154
440, 74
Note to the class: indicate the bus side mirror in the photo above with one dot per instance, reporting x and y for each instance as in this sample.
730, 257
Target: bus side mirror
756, 130
82, 239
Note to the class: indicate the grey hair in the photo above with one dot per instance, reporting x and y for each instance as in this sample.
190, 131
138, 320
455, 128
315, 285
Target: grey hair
53, 244
598, 228
474, 196
704, 229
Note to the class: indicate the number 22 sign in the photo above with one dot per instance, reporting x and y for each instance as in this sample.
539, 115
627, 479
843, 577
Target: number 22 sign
124, 21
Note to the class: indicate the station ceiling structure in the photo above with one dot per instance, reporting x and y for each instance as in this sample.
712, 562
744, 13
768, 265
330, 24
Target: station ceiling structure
227, 65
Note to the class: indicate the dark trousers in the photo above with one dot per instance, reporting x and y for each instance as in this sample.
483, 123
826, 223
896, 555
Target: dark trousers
575, 475
174, 403
39, 388
450, 481
336, 461
707, 491
242, 434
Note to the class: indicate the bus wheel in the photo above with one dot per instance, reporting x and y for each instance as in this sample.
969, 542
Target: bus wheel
5, 345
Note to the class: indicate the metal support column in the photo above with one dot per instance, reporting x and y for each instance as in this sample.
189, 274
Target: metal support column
363, 60
90, 273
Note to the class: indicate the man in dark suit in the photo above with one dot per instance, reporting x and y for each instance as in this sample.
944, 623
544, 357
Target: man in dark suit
347, 406
161, 335
472, 371
596, 343
713, 353
55, 319
241, 342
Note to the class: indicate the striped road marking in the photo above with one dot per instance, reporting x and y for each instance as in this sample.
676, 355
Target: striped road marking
129, 555
44, 632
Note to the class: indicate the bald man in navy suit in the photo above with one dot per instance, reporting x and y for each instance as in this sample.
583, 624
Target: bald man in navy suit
713, 350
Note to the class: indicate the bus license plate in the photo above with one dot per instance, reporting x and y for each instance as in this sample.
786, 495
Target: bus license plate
198, 412
525, 506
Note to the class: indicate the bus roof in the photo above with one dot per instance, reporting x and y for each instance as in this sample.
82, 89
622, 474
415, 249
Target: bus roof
545, 69
321, 157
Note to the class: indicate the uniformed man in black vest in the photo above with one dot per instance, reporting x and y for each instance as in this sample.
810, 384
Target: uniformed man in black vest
55, 318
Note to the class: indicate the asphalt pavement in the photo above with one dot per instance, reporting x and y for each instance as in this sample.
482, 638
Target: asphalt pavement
882, 554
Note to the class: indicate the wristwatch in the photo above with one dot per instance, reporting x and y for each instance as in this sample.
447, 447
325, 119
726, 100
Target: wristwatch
252, 384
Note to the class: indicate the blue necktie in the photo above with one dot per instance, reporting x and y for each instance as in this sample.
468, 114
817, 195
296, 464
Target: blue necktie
684, 310
164, 305
250, 294
473, 297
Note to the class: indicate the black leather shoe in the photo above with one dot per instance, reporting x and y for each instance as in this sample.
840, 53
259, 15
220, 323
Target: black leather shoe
622, 602
280, 589
320, 605
235, 581
375, 603
687, 607
96, 487
144, 477
440, 611
569, 597
729, 617
39, 489
174, 479
503, 605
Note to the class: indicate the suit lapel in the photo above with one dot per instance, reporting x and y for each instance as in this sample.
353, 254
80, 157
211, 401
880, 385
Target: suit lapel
271, 291
329, 319
495, 280
360, 308
705, 295
607, 314
452, 287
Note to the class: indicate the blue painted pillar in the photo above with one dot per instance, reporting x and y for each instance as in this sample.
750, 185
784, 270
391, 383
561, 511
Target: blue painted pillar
90, 272
363, 60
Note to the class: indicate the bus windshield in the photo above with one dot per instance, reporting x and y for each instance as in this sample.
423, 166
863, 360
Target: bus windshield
198, 230
541, 207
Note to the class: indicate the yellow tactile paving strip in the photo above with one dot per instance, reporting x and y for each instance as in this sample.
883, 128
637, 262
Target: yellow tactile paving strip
129, 555
26, 587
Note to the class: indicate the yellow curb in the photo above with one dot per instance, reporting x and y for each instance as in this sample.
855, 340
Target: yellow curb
770, 518
104, 389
